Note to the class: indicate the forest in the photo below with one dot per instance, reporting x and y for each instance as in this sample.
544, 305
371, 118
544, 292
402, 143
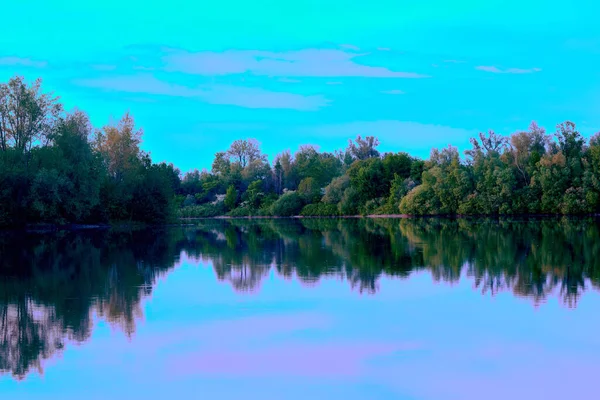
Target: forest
56, 168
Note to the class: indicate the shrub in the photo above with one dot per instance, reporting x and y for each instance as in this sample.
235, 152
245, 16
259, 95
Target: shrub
335, 190
309, 190
240, 212
287, 205
372, 206
350, 202
202, 211
320, 210
231, 197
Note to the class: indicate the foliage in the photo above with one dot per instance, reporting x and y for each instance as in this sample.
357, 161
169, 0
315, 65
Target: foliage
240, 212
202, 211
231, 197
309, 190
56, 168
289, 204
320, 210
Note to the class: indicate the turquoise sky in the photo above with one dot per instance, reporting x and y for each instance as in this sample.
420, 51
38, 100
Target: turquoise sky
198, 75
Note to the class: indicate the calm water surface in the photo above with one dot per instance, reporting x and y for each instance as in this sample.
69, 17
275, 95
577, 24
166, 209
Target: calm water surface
318, 308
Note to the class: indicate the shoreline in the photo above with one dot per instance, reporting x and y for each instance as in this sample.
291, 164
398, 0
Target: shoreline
399, 216
46, 228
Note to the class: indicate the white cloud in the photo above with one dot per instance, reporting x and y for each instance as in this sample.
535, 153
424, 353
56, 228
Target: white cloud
103, 67
22, 62
497, 70
350, 47
288, 80
248, 97
301, 63
393, 91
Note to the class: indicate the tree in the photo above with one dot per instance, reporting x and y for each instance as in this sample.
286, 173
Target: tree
244, 151
289, 204
570, 140
309, 190
492, 144
231, 197
335, 190
254, 194
27, 116
365, 148
278, 176
221, 165
120, 146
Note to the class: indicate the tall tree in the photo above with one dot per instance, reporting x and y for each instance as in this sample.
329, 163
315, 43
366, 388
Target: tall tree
120, 146
361, 149
27, 116
244, 151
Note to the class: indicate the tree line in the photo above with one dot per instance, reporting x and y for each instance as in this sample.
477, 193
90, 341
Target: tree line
55, 167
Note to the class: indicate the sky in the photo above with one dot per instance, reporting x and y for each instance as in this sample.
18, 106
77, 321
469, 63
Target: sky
198, 75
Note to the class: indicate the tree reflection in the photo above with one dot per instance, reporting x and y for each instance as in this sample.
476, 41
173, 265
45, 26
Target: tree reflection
53, 286
532, 258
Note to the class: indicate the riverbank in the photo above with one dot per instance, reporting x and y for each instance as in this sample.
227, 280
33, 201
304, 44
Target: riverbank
129, 226
399, 216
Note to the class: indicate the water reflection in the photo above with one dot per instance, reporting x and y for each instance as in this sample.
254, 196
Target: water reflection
52, 285
532, 258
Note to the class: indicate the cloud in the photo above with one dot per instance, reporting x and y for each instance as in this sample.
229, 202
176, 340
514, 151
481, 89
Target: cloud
259, 98
288, 80
22, 62
242, 96
103, 67
393, 91
350, 47
301, 63
497, 70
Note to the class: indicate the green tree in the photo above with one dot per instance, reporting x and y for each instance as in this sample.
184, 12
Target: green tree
231, 197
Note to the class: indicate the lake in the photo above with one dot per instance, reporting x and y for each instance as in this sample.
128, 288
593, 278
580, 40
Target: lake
295, 309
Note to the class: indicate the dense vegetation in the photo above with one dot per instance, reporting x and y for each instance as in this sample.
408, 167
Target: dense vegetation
529, 172
56, 168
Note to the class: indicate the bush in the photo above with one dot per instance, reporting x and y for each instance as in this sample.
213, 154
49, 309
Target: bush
372, 206
335, 190
309, 190
189, 201
202, 211
350, 202
417, 201
231, 197
287, 205
240, 212
320, 210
